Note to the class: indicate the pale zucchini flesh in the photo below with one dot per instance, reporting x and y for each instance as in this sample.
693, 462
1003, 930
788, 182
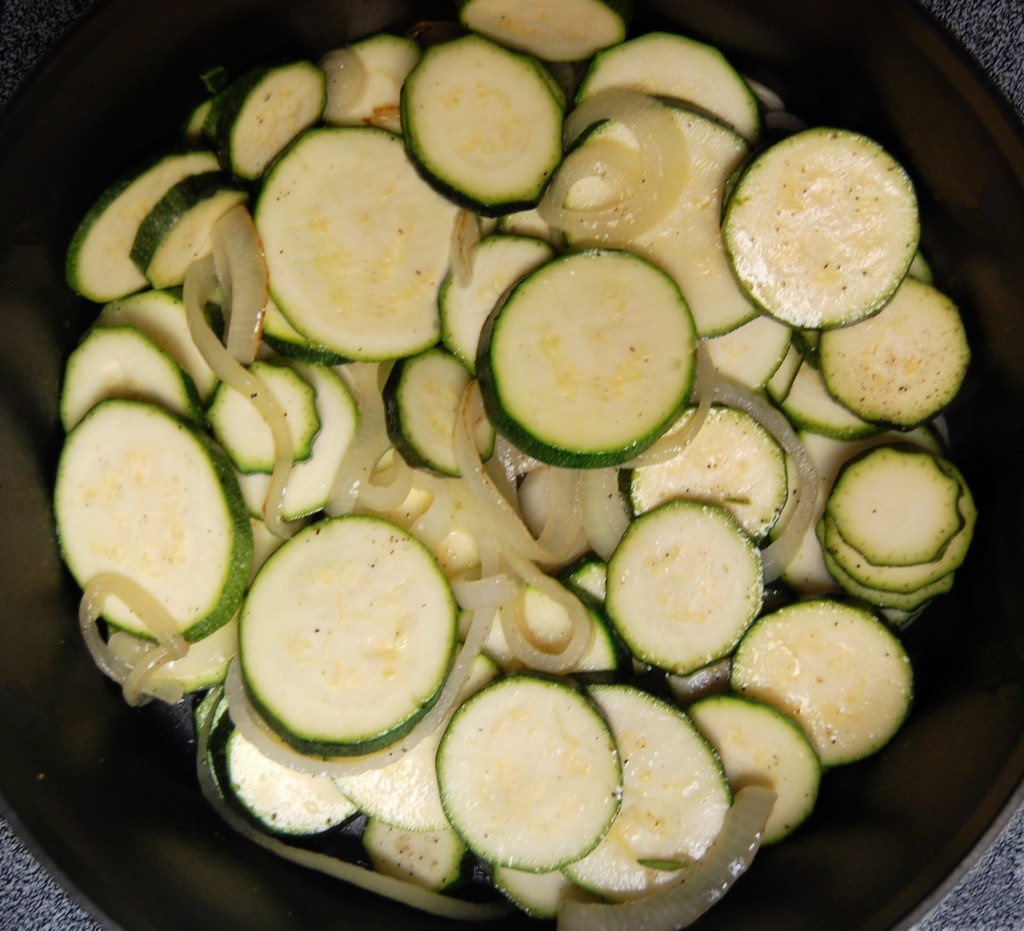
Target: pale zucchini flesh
432, 859
821, 228
141, 494
355, 265
684, 584
674, 797
346, 635
529, 773
570, 30
606, 333
835, 669
482, 123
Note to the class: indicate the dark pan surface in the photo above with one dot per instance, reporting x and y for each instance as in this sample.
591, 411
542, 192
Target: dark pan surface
108, 793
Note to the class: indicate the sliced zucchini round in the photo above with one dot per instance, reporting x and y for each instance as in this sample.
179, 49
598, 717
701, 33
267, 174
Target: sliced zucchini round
835, 669
529, 774
356, 243
668, 65
346, 636
244, 434
759, 745
684, 585
432, 859
589, 359
821, 228
122, 362
99, 263
674, 797
903, 365
482, 123
732, 461
257, 115
570, 30
364, 80
282, 800
142, 494
176, 231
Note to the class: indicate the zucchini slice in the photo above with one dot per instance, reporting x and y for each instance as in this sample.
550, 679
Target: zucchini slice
499, 261
897, 506
432, 859
529, 773
245, 435
364, 81
684, 585
570, 30
674, 797
482, 123
759, 745
810, 406
279, 799
346, 636
122, 362
311, 481
903, 365
821, 228
589, 359
176, 231
666, 65
421, 404
99, 262
835, 669
160, 315
356, 243
752, 353
256, 116
732, 461
142, 494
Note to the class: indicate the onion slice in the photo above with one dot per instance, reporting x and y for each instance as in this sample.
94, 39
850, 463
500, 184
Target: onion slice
399, 890
244, 280
465, 238
346, 81
605, 518
679, 904
200, 285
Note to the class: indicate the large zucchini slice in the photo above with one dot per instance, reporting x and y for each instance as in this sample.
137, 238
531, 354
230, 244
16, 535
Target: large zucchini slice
142, 494
346, 636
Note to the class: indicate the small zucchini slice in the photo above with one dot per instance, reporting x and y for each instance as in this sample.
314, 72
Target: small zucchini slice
835, 669
142, 494
570, 30
176, 231
589, 359
355, 268
678, 67
821, 228
346, 636
256, 116
99, 262
482, 123
758, 745
432, 859
122, 362
529, 773
731, 461
684, 585
903, 365
245, 435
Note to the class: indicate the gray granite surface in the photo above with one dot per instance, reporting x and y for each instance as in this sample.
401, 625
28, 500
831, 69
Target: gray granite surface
989, 897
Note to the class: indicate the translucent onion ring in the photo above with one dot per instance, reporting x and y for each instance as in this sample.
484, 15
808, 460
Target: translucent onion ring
399, 890
500, 516
245, 282
200, 284
346, 81
697, 889
465, 239
605, 518
664, 173
171, 645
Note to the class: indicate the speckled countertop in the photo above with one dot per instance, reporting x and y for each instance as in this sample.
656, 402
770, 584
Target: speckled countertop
989, 897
